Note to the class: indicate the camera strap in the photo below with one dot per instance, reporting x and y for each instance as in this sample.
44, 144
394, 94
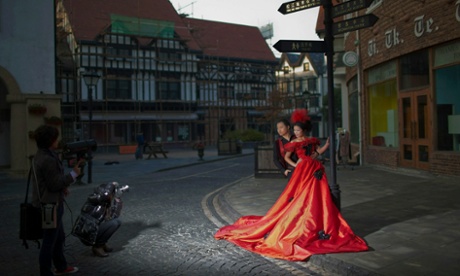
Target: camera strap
36, 180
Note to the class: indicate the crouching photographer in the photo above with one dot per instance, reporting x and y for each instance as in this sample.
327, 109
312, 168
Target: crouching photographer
99, 217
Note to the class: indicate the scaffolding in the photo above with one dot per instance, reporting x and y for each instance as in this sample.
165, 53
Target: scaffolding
153, 83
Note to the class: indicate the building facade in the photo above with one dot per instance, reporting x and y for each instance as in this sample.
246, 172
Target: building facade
173, 78
404, 94
27, 78
300, 82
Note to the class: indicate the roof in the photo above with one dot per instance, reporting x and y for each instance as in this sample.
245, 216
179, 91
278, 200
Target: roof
220, 39
320, 27
90, 18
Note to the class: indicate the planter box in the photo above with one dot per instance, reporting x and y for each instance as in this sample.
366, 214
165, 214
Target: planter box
228, 147
264, 166
128, 149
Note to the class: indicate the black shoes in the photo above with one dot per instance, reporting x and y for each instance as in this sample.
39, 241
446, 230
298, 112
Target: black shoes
99, 251
107, 248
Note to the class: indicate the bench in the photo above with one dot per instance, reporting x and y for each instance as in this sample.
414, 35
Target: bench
154, 148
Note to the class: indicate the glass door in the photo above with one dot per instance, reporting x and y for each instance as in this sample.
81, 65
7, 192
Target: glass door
414, 129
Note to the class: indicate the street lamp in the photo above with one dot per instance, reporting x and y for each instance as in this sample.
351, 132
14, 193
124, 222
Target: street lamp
91, 79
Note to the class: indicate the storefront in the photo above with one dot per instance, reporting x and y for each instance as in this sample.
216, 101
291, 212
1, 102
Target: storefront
404, 93
413, 110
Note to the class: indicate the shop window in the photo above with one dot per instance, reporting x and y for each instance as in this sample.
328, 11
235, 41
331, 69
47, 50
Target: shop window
448, 108
383, 114
414, 70
183, 133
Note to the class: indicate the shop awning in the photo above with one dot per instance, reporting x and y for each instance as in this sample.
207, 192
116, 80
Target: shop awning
140, 117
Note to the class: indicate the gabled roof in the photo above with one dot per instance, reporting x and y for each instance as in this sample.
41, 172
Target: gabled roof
91, 18
219, 39
296, 60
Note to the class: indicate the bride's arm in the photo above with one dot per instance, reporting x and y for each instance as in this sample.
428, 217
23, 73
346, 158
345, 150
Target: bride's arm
288, 159
323, 149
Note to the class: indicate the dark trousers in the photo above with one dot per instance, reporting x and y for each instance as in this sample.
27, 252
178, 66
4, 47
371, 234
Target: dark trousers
106, 230
52, 250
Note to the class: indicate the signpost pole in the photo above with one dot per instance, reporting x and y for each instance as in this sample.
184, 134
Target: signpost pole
329, 39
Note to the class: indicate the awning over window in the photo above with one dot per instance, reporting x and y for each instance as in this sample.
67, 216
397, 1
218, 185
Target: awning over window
256, 113
140, 117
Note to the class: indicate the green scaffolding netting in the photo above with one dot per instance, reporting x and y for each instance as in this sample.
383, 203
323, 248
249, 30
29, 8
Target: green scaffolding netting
142, 27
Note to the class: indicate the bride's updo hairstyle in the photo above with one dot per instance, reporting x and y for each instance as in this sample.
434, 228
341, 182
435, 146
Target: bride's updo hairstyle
301, 119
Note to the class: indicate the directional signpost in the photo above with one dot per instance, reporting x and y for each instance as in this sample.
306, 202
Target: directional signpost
355, 23
327, 47
298, 5
303, 46
350, 6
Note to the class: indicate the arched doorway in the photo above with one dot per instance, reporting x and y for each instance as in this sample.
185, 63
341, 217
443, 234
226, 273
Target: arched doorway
4, 126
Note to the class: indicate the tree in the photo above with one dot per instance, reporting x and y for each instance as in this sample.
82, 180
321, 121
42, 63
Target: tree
277, 107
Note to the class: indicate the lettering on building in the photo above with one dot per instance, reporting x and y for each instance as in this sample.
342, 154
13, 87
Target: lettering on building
371, 48
392, 38
422, 26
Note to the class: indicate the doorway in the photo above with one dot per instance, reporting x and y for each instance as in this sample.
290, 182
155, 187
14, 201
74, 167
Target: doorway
415, 114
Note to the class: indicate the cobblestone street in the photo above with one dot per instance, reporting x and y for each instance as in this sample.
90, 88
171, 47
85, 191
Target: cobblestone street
165, 229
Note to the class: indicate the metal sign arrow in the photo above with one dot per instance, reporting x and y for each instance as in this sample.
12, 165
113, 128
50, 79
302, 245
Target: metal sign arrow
304, 46
298, 5
350, 6
353, 24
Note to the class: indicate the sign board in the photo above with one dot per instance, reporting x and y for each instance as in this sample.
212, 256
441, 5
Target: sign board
304, 46
353, 24
350, 59
294, 6
350, 6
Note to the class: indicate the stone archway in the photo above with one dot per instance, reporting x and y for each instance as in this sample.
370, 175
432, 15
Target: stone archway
21, 122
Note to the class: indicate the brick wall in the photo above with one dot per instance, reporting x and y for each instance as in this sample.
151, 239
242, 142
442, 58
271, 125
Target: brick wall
445, 163
399, 18
382, 156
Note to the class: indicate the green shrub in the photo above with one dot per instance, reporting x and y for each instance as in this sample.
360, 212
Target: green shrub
248, 135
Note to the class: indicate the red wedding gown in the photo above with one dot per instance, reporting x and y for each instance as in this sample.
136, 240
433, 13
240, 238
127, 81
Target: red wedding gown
302, 222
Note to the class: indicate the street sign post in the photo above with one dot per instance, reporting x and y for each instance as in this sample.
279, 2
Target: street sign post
305, 46
327, 47
298, 5
353, 24
349, 7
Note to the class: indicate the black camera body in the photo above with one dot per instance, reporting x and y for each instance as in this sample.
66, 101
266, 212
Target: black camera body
75, 151
80, 147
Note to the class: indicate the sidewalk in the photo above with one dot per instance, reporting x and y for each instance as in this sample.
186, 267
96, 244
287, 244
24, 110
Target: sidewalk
411, 220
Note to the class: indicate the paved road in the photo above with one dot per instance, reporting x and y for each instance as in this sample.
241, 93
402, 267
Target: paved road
168, 226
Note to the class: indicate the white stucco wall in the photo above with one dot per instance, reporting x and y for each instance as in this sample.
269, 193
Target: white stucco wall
27, 44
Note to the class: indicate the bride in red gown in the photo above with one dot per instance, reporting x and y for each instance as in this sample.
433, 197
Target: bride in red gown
304, 220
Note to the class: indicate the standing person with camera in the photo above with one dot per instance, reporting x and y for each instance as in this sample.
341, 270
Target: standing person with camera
50, 187
99, 218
